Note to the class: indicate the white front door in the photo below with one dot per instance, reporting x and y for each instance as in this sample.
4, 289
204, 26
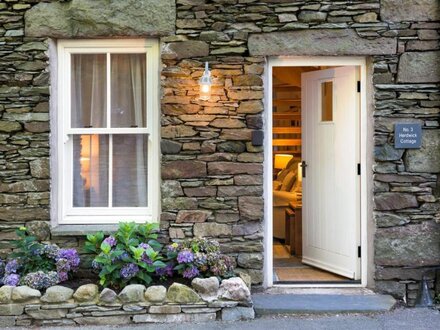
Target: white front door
331, 186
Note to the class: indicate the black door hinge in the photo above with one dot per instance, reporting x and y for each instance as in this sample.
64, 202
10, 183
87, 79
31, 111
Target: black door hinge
359, 251
359, 168
358, 86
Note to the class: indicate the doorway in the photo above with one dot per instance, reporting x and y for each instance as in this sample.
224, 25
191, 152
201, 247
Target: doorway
315, 172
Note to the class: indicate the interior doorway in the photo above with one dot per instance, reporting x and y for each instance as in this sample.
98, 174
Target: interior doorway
315, 173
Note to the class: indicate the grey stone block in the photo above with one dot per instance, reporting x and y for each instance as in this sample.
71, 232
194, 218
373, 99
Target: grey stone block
237, 314
411, 245
319, 42
414, 10
419, 67
174, 318
93, 18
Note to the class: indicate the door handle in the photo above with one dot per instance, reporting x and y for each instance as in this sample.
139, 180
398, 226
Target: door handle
303, 167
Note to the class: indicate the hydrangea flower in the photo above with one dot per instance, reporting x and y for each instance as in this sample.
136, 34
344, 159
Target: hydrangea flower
122, 256
71, 255
110, 241
63, 276
51, 251
129, 271
11, 279
41, 280
96, 265
190, 272
200, 259
172, 247
12, 266
67, 260
146, 259
167, 271
185, 256
222, 266
145, 246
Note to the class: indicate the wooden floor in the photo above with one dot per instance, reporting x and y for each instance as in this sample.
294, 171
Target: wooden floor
289, 268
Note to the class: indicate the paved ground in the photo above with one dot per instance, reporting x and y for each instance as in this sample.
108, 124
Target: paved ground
270, 304
411, 319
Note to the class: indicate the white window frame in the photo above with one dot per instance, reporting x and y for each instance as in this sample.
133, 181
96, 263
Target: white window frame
66, 213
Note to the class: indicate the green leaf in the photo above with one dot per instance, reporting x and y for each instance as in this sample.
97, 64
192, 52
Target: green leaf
155, 245
159, 264
111, 268
105, 247
101, 259
144, 277
91, 238
137, 252
90, 247
179, 267
99, 237
151, 269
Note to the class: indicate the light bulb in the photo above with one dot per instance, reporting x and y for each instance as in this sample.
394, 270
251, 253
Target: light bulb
205, 88
205, 84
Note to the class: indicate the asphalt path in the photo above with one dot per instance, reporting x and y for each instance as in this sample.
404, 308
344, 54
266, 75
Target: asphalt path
401, 318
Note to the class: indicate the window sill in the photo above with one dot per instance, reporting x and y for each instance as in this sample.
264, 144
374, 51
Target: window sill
82, 230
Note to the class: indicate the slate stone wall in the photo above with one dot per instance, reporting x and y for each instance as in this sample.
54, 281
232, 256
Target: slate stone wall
204, 301
212, 175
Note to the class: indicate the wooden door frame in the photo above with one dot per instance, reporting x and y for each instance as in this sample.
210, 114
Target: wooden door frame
268, 210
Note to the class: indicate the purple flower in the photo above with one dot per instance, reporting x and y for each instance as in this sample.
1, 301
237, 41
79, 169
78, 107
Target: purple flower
12, 266
129, 271
67, 260
96, 265
11, 279
165, 271
51, 251
110, 241
41, 280
63, 265
190, 272
122, 256
71, 255
172, 247
63, 276
200, 259
146, 259
145, 246
185, 256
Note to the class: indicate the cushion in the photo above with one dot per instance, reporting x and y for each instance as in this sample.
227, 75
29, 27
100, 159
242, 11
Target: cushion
277, 185
288, 181
282, 174
296, 187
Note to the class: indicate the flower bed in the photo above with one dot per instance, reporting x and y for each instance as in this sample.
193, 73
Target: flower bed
132, 262
37, 265
206, 300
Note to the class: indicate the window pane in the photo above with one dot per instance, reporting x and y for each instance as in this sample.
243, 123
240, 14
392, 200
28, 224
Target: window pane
130, 170
90, 170
327, 101
89, 96
128, 85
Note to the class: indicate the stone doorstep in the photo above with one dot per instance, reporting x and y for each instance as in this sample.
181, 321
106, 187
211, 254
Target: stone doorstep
315, 303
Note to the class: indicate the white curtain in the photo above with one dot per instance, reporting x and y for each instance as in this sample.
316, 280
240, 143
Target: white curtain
129, 151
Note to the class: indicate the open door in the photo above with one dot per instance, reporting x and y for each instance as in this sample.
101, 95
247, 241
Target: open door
331, 183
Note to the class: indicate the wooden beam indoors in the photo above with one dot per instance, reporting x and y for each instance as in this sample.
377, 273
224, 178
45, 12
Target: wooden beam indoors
286, 142
286, 130
288, 116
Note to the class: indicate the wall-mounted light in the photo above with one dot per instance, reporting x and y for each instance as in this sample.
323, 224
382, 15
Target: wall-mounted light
205, 84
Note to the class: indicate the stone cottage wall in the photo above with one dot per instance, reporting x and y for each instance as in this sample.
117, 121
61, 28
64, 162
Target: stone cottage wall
212, 176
